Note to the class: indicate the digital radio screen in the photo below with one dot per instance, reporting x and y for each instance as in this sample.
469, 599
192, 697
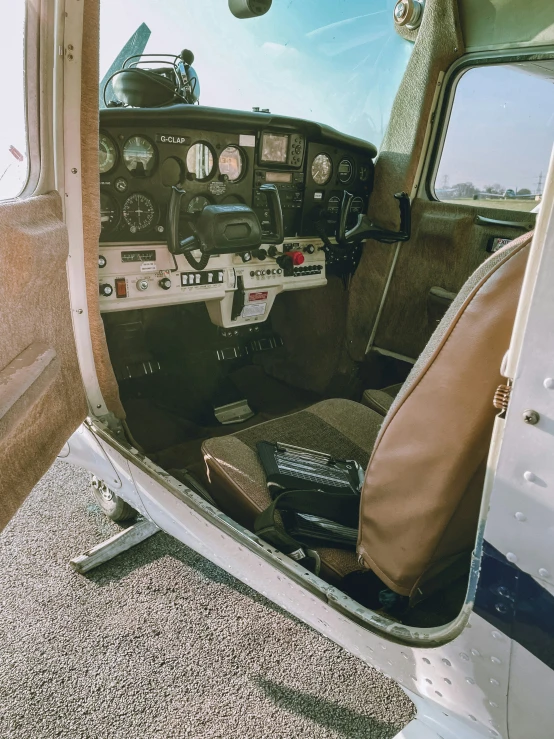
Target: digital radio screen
278, 176
274, 147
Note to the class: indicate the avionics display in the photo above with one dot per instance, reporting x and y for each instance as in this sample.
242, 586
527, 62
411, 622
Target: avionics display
278, 177
274, 148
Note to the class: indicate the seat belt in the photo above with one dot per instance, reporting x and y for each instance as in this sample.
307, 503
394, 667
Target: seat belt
292, 531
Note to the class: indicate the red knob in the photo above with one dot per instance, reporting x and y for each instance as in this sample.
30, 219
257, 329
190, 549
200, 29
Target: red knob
296, 256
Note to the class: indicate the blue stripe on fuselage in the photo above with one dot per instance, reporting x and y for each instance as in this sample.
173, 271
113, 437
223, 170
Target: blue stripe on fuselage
516, 604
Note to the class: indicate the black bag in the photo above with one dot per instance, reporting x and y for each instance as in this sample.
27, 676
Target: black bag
316, 496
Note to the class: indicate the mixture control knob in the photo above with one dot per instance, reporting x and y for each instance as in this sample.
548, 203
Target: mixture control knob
246, 257
142, 284
273, 251
165, 283
106, 290
260, 254
310, 249
102, 261
297, 257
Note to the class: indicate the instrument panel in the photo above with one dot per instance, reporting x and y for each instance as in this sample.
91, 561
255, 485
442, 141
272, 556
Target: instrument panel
218, 157
142, 157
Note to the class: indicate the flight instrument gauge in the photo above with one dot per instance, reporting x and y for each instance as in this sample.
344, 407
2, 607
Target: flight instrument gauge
107, 154
109, 213
139, 212
346, 170
231, 163
322, 168
139, 156
197, 204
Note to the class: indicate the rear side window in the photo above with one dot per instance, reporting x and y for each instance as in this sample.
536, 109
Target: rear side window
13, 129
499, 137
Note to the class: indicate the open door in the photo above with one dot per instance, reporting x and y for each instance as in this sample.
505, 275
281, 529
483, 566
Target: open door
42, 399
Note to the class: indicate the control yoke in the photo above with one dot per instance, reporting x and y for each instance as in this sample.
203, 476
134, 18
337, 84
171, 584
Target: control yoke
365, 229
222, 229
276, 213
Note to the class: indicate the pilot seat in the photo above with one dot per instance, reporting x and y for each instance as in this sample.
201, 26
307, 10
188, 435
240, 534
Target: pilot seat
425, 450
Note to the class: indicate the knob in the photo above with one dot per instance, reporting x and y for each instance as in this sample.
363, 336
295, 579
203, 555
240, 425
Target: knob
106, 290
259, 272
142, 284
260, 254
297, 257
165, 283
102, 261
285, 261
310, 249
273, 251
246, 257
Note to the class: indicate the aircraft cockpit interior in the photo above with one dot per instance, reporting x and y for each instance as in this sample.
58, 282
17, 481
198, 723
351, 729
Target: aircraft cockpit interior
277, 279
273, 299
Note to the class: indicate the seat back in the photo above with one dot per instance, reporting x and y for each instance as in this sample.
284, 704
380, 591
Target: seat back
423, 485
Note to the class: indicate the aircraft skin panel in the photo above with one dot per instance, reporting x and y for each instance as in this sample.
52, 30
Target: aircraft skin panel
516, 604
520, 524
530, 700
417, 730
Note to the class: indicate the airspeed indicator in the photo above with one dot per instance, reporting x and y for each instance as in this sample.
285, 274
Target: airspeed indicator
322, 169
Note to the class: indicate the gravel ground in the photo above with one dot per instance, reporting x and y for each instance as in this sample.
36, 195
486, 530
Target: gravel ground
160, 643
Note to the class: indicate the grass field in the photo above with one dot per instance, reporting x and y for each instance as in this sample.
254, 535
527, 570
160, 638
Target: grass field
523, 205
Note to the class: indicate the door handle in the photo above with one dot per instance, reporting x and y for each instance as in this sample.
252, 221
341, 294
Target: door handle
482, 221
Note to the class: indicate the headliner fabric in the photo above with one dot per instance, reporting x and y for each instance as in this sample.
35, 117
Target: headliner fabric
423, 485
339, 427
91, 203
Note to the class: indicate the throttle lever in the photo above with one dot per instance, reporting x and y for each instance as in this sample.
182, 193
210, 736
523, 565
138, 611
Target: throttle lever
172, 226
276, 210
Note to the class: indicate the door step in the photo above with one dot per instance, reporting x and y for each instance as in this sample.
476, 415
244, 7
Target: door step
121, 542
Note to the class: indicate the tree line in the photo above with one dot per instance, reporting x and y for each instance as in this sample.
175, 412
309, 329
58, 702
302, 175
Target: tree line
468, 190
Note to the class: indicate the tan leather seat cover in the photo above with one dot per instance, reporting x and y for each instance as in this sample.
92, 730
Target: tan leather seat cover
423, 486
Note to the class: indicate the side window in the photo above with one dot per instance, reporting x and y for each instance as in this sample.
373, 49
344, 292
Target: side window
13, 129
499, 137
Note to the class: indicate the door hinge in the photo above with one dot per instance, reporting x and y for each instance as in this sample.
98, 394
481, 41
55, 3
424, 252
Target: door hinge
502, 397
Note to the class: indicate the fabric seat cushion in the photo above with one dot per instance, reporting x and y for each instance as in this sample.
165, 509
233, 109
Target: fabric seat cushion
339, 427
381, 400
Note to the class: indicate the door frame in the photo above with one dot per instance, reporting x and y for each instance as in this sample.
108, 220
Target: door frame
68, 171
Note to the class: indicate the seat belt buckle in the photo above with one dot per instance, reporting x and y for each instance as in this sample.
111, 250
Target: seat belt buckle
308, 558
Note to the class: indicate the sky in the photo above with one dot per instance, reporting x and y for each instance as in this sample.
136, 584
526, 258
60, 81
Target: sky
13, 174
335, 61
501, 129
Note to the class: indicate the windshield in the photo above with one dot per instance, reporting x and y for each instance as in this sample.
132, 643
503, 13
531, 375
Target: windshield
338, 62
